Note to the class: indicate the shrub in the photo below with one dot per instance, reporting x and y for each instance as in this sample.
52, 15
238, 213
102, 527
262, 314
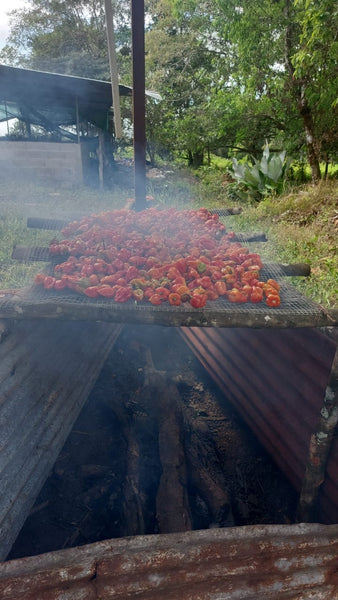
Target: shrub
264, 177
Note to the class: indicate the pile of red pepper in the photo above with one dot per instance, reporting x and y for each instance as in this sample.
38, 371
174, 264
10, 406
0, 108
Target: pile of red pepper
158, 256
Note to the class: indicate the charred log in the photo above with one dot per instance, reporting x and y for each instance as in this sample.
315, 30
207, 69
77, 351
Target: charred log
205, 471
172, 502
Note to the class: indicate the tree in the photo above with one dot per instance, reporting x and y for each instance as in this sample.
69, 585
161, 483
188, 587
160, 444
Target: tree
282, 58
218, 104
287, 53
315, 68
183, 70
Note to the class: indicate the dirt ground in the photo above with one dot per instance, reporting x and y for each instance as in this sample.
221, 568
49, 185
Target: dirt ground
105, 483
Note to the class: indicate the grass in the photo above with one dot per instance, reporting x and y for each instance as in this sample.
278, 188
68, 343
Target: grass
301, 225
20, 200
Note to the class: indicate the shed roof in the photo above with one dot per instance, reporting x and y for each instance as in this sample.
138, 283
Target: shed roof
51, 99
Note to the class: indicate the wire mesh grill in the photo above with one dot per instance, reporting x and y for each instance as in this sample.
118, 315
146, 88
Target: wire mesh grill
225, 212
293, 303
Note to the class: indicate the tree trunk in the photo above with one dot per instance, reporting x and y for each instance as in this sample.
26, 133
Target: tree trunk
151, 153
311, 143
299, 94
195, 159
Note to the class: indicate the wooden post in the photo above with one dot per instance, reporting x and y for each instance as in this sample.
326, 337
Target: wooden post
7, 119
137, 19
101, 158
77, 119
320, 446
113, 68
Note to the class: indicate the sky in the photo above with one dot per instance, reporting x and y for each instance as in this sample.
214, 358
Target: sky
5, 7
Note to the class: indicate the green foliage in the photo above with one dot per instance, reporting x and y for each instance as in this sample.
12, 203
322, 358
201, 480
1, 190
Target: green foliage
220, 163
212, 182
180, 66
67, 37
287, 58
300, 172
256, 89
264, 177
301, 227
315, 64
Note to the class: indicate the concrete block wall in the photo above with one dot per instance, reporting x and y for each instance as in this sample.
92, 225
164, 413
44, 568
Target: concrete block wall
47, 161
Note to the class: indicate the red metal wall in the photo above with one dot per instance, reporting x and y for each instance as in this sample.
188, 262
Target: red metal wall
276, 379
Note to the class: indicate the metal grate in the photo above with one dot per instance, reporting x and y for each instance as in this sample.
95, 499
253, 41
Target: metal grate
291, 299
295, 310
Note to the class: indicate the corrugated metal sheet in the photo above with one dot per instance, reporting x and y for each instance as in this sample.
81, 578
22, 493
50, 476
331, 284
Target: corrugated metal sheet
256, 562
276, 379
54, 96
46, 374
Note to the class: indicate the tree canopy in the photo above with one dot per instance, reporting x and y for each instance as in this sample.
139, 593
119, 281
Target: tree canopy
65, 37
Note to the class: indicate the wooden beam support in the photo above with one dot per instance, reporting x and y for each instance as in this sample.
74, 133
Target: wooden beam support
113, 68
319, 450
51, 224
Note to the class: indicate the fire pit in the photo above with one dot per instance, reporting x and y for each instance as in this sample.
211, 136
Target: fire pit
161, 447
185, 485
157, 449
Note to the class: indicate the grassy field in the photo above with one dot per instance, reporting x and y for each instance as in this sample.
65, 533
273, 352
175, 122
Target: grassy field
301, 225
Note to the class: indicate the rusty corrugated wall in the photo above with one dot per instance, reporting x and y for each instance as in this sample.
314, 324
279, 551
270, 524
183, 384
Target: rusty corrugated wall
261, 562
276, 379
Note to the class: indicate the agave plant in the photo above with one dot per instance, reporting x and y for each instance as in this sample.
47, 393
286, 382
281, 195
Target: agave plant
265, 176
